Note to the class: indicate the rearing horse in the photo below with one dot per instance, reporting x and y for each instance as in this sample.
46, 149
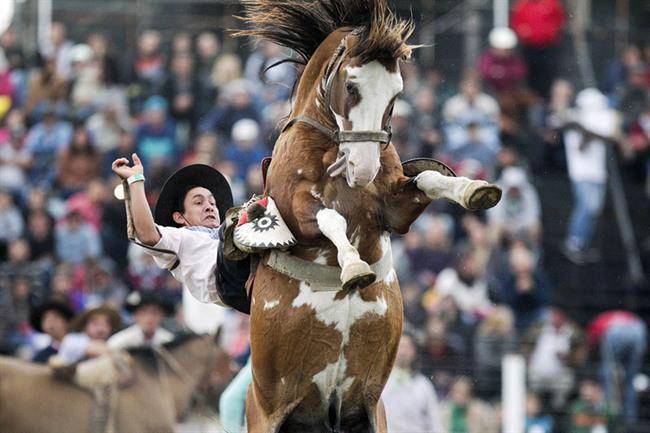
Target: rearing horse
326, 317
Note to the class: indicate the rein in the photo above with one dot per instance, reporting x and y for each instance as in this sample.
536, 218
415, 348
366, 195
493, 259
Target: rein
336, 135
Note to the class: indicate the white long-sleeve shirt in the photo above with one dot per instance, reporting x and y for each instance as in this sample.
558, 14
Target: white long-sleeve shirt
411, 404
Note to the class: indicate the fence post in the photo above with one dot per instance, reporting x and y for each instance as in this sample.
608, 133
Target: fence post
513, 393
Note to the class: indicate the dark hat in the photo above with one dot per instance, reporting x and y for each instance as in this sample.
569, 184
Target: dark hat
57, 305
136, 300
113, 316
177, 184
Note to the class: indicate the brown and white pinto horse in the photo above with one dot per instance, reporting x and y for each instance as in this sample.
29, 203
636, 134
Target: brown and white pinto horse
322, 352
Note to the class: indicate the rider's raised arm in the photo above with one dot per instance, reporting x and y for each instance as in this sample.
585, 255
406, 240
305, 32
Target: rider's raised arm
143, 221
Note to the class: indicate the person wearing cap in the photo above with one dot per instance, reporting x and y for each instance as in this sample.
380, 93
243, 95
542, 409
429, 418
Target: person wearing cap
149, 310
186, 236
500, 67
51, 318
155, 137
90, 332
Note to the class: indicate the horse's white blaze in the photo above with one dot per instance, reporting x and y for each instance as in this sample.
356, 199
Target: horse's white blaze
271, 304
377, 86
391, 277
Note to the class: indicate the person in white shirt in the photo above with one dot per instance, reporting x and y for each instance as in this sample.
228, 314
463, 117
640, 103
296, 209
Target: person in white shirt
593, 125
186, 236
149, 310
409, 397
91, 330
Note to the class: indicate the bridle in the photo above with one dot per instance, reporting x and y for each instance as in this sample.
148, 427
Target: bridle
336, 135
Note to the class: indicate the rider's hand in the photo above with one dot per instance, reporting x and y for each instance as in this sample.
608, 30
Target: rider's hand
121, 167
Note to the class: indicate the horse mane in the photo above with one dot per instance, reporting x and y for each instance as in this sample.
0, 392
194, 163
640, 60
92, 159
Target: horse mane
147, 355
302, 25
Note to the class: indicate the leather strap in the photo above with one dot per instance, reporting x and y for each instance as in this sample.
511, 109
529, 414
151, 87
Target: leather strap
322, 278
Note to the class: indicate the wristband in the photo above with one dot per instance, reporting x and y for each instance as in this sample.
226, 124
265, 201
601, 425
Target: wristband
138, 177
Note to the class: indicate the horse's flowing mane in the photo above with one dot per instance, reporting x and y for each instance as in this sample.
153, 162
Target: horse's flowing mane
302, 25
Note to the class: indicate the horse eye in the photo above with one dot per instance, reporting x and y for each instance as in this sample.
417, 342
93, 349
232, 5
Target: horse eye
350, 88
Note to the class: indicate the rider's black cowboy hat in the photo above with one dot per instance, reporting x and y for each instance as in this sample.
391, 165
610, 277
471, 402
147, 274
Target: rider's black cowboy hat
61, 307
137, 300
191, 176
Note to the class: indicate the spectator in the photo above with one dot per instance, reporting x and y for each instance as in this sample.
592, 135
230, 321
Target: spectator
52, 318
590, 412
15, 161
276, 82
539, 24
181, 89
107, 63
11, 221
14, 316
525, 289
87, 86
102, 284
227, 69
619, 69
89, 334
476, 148
503, 70
156, 137
638, 142
465, 283
471, 105
634, 96
18, 265
40, 235
7, 90
78, 164
556, 348
45, 141
462, 413
246, 149
45, 89
108, 123
586, 154
76, 241
148, 69
236, 103
623, 339
518, 215
410, 400
494, 339
536, 422
148, 310
58, 48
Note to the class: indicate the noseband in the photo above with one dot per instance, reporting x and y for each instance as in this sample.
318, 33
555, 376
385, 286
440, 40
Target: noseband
336, 135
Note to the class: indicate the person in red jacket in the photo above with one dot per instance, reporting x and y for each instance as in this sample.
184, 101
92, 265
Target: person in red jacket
539, 25
623, 338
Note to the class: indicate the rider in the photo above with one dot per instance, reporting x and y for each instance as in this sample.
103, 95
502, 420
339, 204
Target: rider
186, 235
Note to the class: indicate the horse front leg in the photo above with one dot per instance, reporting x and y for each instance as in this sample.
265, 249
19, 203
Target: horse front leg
471, 194
355, 273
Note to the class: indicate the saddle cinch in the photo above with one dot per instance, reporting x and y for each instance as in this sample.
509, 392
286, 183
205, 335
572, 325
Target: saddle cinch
102, 377
262, 228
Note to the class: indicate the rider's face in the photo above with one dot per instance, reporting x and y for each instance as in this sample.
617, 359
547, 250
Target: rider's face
200, 209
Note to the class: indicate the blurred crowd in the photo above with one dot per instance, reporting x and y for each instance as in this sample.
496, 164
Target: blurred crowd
474, 286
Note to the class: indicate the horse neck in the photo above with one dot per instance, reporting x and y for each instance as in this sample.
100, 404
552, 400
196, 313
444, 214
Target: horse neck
311, 78
184, 373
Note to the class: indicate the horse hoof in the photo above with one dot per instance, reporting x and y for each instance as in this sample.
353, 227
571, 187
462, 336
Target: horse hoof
484, 197
357, 276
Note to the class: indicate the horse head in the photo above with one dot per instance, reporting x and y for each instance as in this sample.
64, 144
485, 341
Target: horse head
359, 89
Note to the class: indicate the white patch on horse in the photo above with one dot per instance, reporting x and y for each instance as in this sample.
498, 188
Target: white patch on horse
271, 304
341, 313
391, 277
299, 172
321, 258
355, 239
333, 379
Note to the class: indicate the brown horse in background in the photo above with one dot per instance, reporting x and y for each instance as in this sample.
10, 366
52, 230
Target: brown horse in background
32, 401
326, 317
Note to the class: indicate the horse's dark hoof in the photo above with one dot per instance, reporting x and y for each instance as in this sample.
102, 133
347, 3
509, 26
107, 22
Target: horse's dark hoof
357, 276
484, 197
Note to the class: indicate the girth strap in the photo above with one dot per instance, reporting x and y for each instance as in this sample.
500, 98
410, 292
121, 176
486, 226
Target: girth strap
322, 278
